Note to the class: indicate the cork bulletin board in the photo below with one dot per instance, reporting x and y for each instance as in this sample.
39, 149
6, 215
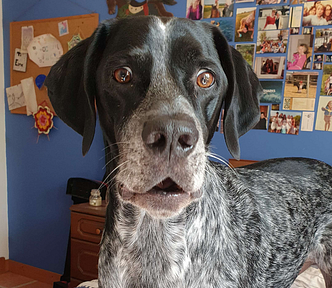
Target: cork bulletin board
82, 24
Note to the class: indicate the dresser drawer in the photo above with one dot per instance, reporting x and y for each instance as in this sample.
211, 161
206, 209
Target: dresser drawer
84, 260
87, 227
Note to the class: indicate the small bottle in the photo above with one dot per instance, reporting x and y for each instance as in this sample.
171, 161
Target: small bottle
95, 198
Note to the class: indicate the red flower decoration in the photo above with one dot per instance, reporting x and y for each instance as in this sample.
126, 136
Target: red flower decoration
43, 120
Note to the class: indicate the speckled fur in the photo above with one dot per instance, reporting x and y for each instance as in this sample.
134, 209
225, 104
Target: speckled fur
252, 227
243, 232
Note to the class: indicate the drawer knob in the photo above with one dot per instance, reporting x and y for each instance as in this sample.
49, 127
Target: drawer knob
98, 231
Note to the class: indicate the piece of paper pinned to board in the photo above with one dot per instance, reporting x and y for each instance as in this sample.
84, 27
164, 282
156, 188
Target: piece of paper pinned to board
45, 50
28, 87
20, 61
15, 97
27, 34
307, 121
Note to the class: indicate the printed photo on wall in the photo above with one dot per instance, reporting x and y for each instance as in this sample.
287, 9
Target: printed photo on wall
300, 91
294, 31
272, 92
270, 67
262, 124
273, 18
284, 122
326, 87
324, 114
299, 52
295, 16
323, 40
317, 13
267, 2
317, 66
274, 41
328, 58
245, 24
226, 25
247, 51
275, 107
307, 30
218, 8
195, 9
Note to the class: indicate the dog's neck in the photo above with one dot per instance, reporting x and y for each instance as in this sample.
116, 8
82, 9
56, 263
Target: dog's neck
170, 251
155, 248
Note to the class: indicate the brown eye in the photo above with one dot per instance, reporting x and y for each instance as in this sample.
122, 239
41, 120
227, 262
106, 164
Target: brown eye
205, 79
123, 75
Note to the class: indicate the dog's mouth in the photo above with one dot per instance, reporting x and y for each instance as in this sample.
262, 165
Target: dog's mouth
162, 200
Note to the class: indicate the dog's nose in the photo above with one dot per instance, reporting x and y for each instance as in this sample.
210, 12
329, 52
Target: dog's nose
170, 136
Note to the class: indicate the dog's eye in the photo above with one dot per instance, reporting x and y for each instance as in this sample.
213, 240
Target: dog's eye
123, 75
205, 79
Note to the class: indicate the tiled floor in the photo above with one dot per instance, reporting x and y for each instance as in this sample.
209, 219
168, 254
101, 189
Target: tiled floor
11, 280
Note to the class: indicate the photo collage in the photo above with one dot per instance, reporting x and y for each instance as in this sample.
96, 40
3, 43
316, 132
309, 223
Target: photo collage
288, 43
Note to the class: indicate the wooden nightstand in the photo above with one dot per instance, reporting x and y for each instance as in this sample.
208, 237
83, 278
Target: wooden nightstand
87, 224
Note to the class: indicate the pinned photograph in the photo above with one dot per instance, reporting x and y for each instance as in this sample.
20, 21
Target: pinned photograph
284, 122
317, 13
326, 87
307, 30
317, 66
195, 9
294, 31
295, 17
273, 18
63, 28
247, 51
300, 91
267, 2
318, 58
323, 40
227, 27
328, 58
272, 92
270, 67
218, 8
274, 41
299, 52
324, 114
262, 124
244, 24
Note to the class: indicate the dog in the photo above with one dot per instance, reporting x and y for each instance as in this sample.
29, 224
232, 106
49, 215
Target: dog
175, 218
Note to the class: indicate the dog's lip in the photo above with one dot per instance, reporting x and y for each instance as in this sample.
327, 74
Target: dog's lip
167, 188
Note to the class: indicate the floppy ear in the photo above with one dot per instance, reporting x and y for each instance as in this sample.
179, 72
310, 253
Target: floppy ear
71, 85
241, 102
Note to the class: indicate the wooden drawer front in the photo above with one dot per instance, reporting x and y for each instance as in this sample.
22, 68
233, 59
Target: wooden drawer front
84, 260
87, 227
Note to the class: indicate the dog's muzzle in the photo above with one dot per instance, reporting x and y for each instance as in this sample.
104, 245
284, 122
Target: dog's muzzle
168, 141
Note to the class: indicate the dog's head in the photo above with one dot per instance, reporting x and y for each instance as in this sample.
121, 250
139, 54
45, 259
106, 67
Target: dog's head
159, 85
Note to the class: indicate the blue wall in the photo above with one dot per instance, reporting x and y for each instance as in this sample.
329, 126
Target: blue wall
38, 208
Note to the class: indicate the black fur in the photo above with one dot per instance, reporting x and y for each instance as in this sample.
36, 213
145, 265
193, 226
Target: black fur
176, 219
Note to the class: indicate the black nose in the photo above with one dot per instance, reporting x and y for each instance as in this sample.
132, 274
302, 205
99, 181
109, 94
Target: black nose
170, 136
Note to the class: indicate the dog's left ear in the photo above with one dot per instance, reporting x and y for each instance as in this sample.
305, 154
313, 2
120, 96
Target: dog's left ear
241, 102
71, 84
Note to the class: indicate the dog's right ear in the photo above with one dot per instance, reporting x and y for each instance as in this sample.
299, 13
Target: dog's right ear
71, 84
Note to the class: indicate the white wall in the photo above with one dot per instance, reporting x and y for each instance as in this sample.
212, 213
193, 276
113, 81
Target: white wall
4, 252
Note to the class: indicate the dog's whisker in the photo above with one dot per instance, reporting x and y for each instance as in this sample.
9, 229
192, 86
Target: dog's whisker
116, 168
222, 160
